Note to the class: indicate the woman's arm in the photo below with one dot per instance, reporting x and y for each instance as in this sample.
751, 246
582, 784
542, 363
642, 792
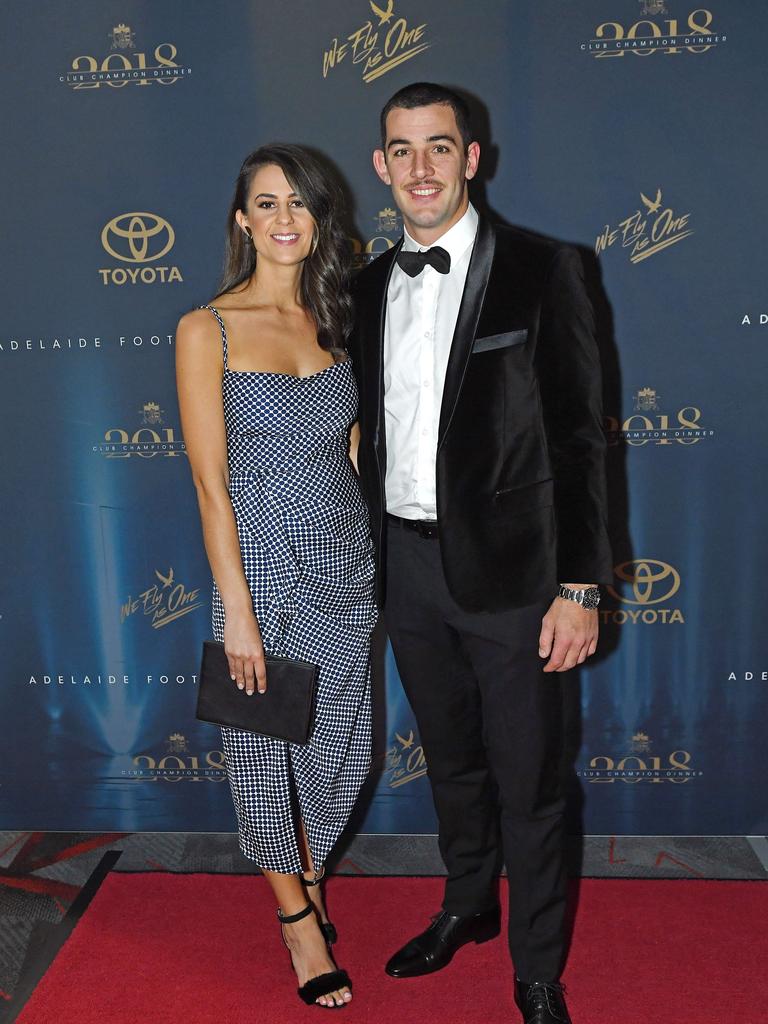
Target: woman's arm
354, 444
199, 368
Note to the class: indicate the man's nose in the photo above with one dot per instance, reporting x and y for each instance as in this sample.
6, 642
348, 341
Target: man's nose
421, 167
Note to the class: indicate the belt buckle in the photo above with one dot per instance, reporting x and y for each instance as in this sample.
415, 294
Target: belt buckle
426, 529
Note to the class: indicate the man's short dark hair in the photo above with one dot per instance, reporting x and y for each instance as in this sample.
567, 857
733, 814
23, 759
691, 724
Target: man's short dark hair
424, 94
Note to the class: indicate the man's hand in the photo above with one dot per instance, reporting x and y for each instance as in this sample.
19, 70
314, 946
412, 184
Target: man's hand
568, 635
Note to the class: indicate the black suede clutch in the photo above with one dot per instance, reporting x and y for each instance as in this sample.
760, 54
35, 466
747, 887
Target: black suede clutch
285, 712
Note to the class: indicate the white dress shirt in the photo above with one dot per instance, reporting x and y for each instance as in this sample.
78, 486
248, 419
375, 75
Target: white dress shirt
420, 321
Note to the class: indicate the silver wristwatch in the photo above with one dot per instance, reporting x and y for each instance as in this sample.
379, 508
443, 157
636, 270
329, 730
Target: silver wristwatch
588, 598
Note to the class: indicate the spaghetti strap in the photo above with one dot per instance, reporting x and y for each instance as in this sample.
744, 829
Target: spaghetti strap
223, 331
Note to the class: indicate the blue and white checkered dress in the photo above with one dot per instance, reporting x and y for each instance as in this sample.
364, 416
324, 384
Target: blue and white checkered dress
307, 554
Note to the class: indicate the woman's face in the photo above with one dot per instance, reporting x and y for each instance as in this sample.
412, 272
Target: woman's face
283, 229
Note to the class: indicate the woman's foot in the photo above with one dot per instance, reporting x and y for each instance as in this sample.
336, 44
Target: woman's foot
310, 957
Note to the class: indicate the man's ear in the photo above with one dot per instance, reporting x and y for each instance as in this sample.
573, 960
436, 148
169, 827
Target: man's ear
473, 159
380, 166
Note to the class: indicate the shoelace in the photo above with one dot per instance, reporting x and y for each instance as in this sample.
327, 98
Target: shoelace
539, 993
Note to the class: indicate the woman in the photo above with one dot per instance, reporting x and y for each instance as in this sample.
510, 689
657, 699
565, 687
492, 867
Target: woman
268, 402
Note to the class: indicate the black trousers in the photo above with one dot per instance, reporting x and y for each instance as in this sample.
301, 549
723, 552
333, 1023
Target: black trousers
491, 724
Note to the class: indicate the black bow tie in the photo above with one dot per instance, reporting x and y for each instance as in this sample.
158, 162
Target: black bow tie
414, 262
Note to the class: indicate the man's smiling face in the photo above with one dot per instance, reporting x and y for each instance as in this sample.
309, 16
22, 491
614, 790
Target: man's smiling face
427, 168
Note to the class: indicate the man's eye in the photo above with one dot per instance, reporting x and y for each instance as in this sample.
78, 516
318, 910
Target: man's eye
441, 149
401, 152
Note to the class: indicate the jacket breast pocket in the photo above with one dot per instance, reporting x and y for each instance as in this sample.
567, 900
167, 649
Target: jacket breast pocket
505, 340
516, 500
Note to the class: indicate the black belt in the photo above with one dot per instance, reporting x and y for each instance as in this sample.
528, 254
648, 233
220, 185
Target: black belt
426, 528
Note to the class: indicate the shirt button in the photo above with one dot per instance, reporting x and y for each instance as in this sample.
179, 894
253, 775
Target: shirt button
425, 383
427, 334
424, 432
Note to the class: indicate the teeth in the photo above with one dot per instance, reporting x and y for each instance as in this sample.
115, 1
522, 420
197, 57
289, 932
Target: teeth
425, 191
285, 238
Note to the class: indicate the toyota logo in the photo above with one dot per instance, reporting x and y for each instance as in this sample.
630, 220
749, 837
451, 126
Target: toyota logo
651, 581
137, 237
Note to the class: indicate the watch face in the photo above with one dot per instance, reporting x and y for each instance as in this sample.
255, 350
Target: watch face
591, 598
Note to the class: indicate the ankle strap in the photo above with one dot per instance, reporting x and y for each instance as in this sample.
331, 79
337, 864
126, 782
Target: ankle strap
319, 876
293, 918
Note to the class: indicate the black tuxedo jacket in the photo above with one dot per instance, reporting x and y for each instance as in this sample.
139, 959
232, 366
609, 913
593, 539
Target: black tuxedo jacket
520, 455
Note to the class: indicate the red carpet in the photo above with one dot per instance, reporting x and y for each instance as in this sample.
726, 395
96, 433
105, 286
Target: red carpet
205, 949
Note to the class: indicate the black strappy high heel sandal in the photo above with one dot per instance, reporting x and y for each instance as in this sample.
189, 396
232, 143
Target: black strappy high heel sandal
329, 931
323, 984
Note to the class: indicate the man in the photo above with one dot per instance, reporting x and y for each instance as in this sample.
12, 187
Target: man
481, 457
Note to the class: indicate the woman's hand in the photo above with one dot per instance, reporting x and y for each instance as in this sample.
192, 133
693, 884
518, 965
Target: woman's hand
245, 651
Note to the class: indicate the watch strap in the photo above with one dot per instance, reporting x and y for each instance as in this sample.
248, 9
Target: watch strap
588, 598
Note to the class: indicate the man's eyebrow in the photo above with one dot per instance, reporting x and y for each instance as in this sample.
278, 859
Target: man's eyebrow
430, 138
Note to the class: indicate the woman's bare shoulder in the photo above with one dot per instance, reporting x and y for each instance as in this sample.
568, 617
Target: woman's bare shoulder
196, 330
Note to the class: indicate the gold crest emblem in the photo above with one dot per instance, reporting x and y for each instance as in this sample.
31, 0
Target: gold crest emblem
653, 7
177, 744
151, 413
641, 742
386, 219
647, 400
123, 37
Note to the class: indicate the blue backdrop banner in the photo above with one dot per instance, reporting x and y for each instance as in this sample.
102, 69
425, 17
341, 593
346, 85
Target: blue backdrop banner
625, 127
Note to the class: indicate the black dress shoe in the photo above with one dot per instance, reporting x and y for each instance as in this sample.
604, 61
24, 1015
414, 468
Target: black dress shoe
435, 947
542, 1002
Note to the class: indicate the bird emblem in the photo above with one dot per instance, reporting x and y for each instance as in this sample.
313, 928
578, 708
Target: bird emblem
165, 580
655, 205
405, 744
383, 16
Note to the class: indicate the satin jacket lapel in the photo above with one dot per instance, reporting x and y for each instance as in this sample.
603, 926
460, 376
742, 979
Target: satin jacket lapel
466, 323
377, 284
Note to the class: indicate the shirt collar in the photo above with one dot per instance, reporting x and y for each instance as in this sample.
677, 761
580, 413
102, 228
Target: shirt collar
455, 241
